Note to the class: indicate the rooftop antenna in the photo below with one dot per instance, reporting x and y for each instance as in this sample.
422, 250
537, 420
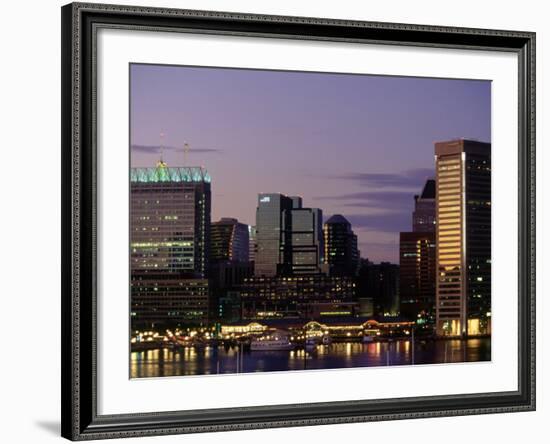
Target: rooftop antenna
161, 163
185, 153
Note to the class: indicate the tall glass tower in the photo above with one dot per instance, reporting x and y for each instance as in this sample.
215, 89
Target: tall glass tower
270, 214
289, 237
304, 238
463, 237
169, 244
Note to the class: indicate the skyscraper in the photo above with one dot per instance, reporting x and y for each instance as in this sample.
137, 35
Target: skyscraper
417, 260
229, 266
288, 236
304, 233
229, 240
463, 209
417, 275
290, 275
169, 239
423, 217
341, 253
269, 233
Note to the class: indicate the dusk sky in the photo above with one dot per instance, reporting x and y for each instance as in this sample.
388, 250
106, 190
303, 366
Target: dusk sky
356, 145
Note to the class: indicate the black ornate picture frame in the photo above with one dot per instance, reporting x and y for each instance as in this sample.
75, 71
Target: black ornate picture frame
80, 419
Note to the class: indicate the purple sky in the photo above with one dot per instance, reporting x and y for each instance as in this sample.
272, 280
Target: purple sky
357, 145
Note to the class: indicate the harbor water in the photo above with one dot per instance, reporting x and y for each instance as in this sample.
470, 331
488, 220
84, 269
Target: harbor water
224, 360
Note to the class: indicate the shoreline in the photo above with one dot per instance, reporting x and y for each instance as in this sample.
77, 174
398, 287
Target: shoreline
157, 345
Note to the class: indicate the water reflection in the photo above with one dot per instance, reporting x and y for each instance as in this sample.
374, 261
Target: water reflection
214, 360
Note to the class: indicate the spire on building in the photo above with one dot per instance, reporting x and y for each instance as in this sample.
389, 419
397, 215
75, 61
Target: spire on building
161, 163
185, 153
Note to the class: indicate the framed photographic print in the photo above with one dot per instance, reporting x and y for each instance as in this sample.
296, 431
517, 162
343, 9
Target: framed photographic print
278, 221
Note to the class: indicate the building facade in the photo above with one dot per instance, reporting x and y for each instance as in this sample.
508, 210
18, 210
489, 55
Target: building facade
417, 258
226, 277
169, 245
289, 237
303, 237
270, 214
299, 297
340, 242
229, 241
380, 283
252, 243
417, 277
463, 235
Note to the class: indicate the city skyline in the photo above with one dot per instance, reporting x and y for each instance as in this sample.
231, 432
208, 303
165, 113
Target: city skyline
300, 124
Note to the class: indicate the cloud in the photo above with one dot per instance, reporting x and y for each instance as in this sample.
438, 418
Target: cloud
392, 210
413, 178
393, 222
389, 198
381, 207
155, 149
393, 204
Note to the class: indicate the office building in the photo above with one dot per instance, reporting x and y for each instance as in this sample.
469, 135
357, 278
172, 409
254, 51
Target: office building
380, 283
270, 214
463, 235
226, 277
340, 242
300, 297
417, 277
229, 241
229, 307
169, 245
289, 237
303, 232
417, 252
161, 300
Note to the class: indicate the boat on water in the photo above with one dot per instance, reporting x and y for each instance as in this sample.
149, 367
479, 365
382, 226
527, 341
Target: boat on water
273, 342
312, 342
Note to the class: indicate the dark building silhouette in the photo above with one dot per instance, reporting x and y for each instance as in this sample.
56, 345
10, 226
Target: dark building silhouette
417, 276
229, 266
341, 253
417, 260
380, 283
251, 243
229, 307
229, 241
226, 278
169, 245
463, 209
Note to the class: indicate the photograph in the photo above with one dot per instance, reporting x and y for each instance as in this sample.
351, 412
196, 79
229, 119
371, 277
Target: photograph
299, 220
280, 221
